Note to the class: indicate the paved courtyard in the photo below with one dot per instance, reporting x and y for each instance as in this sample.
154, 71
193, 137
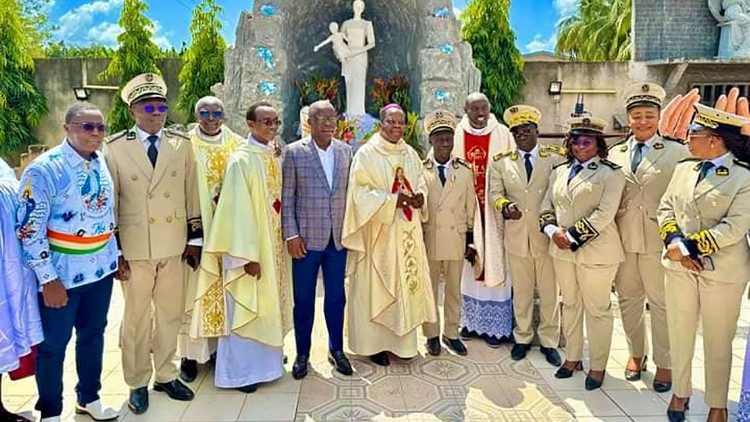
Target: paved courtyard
485, 386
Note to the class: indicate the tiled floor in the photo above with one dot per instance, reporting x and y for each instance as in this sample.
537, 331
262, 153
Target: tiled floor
484, 386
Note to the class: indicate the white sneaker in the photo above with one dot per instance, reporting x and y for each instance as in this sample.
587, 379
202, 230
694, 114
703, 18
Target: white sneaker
51, 419
97, 412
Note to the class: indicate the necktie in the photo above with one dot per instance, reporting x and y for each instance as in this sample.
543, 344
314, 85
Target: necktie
152, 152
529, 167
705, 167
441, 174
637, 156
576, 168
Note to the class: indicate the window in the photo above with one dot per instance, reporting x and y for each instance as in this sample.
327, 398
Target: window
711, 92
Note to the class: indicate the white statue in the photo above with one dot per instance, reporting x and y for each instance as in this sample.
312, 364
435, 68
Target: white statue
350, 46
735, 27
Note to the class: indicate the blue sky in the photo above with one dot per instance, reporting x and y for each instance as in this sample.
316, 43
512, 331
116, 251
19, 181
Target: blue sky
83, 22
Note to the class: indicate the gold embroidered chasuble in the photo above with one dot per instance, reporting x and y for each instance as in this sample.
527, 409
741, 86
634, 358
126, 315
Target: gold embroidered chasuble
246, 227
390, 292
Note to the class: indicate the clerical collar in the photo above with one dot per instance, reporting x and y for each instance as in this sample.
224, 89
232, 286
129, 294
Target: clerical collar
213, 139
254, 142
475, 131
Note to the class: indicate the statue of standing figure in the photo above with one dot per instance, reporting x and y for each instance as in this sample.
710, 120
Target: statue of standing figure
735, 27
350, 46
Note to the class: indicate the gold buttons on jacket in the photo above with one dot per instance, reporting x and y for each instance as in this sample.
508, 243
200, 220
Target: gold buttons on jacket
169, 219
152, 220
174, 173
167, 195
134, 178
150, 196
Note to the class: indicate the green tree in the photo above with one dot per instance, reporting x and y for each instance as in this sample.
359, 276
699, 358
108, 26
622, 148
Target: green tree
600, 31
37, 27
22, 105
60, 50
136, 54
203, 61
487, 28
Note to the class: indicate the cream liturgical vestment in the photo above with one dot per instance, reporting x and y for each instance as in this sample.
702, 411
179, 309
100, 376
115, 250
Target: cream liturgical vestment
390, 293
211, 155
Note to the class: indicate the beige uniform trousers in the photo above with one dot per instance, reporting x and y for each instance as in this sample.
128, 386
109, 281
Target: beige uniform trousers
586, 291
640, 278
527, 274
716, 304
451, 271
155, 288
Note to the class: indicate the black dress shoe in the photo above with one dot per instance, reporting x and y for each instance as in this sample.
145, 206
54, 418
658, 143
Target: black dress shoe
492, 341
456, 345
301, 364
381, 359
340, 362
631, 375
188, 369
592, 384
550, 353
662, 386
247, 389
138, 400
678, 415
465, 334
519, 350
433, 346
175, 390
564, 372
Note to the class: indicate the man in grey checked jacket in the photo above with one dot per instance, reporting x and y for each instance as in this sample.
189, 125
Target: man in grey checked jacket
316, 175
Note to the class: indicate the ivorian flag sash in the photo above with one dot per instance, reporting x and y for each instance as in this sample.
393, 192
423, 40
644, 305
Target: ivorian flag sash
76, 245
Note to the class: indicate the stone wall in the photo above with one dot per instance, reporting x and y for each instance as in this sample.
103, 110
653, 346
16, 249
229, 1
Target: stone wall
56, 78
671, 29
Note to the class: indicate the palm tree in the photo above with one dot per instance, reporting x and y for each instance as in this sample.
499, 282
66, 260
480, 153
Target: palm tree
600, 31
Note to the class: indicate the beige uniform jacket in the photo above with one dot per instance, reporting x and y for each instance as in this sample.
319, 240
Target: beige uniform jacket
636, 218
586, 207
714, 215
450, 209
158, 209
508, 184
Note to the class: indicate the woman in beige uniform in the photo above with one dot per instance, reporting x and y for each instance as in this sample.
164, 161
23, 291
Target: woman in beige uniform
578, 214
704, 217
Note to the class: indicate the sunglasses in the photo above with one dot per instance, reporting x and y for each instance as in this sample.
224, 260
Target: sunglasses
216, 114
152, 108
326, 119
582, 142
90, 127
270, 122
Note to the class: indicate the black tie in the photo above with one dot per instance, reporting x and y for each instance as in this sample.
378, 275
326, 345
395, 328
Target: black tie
576, 168
705, 167
529, 167
441, 174
637, 156
152, 152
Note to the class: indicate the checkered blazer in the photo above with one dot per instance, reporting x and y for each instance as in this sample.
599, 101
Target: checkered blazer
310, 208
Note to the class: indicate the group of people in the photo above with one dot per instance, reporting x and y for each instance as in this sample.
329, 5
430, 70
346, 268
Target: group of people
218, 241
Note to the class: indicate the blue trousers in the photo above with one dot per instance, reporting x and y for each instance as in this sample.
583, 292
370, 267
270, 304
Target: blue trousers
305, 274
86, 310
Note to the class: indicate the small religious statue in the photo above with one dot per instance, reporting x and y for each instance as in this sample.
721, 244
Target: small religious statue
734, 21
350, 46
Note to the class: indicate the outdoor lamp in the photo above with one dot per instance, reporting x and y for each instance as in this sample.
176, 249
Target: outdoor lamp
555, 88
82, 94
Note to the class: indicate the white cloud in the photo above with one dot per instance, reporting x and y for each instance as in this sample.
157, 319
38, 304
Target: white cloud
457, 12
541, 44
105, 33
76, 20
566, 7
159, 38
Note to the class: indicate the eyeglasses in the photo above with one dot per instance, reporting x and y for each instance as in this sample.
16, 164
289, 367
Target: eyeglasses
326, 119
216, 114
582, 143
90, 127
270, 122
152, 108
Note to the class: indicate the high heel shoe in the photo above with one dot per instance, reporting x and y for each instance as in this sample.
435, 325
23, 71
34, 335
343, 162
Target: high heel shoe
631, 375
564, 372
678, 415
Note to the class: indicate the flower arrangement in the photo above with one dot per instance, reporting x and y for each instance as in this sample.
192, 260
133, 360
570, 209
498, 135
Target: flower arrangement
412, 132
392, 90
320, 88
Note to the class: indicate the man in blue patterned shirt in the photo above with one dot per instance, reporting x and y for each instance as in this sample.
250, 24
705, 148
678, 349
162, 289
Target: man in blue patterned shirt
65, 221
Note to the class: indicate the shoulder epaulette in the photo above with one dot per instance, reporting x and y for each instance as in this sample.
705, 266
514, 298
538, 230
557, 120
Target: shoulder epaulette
554, 148
462, 162
564, 163
119, 135
611, 165
618, 143
741, 163
500, 155
679, 141
689, 159
427, 163
179, 134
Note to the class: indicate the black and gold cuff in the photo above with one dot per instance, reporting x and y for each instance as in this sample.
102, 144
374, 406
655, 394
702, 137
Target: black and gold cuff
702, 243
582, 232
669, 231
195, 228
545, 219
